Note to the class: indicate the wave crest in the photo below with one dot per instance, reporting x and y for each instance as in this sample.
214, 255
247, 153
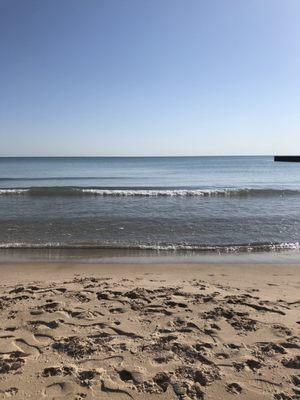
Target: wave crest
170, 247
13, 191
159, 192
147, 192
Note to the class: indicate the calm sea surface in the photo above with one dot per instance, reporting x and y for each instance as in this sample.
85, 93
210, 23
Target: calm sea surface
218, 204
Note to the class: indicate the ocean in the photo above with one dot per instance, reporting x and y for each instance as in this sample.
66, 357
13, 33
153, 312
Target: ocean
171, 204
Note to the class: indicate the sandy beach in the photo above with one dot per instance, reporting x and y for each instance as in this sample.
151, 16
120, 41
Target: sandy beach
149, 331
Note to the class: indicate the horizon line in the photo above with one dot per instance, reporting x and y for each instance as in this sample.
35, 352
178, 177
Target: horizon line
146, 156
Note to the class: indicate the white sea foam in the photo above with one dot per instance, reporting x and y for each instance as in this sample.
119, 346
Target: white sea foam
234, 248
13, 191
223, 248
22, 245
160, 192
147, 192
286, 246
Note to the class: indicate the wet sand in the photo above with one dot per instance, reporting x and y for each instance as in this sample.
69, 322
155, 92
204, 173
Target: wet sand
195, 331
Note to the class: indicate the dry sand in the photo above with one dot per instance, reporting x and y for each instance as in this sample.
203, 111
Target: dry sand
149, 331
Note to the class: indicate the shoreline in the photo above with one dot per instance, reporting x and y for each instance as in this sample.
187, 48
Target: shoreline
126, 256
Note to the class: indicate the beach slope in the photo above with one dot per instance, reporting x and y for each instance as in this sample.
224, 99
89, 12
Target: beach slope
149, 331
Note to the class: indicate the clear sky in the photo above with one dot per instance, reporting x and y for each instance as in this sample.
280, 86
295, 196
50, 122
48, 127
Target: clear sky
149, 77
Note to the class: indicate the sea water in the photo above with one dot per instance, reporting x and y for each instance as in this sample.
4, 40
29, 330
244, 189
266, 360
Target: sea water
199, 204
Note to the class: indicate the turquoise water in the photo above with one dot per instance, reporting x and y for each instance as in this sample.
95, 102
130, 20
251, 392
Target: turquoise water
218, 204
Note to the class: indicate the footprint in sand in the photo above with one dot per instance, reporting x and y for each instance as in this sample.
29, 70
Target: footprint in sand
60, 389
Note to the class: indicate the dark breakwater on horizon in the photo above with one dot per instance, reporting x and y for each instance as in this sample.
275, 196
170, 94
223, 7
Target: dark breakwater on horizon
191, 204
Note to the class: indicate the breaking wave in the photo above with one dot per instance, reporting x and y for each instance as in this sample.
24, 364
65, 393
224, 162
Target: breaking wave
147, 192
226, 248
13, 191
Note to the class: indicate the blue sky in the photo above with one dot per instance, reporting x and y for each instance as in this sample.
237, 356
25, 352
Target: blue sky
140, 77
